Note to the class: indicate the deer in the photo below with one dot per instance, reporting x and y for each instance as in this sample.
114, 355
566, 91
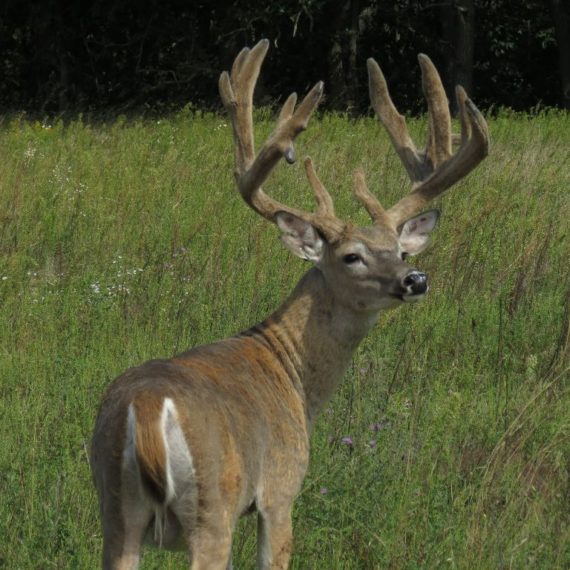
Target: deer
183, 447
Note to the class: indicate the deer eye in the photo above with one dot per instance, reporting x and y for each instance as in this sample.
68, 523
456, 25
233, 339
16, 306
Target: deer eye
351, 258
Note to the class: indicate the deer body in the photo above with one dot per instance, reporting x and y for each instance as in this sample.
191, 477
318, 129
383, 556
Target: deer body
245, 407
183, 447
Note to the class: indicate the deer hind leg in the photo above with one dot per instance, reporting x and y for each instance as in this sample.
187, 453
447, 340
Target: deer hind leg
209, 532
211, 549
124, 526
274, 538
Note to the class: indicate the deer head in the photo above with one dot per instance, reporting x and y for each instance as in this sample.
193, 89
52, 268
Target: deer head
365, 267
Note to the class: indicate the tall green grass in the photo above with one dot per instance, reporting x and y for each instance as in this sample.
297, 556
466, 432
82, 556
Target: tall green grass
126, 241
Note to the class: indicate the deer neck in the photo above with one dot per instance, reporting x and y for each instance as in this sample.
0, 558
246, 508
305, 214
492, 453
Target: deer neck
315, 337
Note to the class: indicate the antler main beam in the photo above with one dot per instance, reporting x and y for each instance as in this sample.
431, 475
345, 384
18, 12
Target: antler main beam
436, 169
431, 171
236, 91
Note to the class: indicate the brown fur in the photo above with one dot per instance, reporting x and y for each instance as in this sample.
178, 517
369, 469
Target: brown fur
149, 445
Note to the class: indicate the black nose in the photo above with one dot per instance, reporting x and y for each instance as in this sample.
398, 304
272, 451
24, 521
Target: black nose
415, 283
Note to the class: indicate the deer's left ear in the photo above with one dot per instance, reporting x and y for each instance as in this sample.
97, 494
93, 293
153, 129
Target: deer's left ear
414, 234
300, 237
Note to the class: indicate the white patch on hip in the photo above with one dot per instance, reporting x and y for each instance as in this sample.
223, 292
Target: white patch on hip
179, 466
179, 463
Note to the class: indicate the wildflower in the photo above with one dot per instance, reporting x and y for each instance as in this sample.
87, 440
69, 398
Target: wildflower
347, 440
30, 152
375, 427
323, 491
372, 444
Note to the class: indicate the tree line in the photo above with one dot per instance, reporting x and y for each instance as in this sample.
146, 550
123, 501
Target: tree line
70, 56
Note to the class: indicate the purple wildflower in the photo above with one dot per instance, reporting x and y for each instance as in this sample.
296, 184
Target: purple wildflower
323, 491
347, 441
375, 427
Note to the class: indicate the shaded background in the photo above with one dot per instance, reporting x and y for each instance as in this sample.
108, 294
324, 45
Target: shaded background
70, 56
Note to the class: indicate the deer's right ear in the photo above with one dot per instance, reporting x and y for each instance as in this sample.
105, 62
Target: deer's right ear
300, 237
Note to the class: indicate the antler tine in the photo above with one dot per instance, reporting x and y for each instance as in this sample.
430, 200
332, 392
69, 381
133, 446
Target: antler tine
461, 97
252, 170
438, 147
437, 169
322, 197
236, 91
287, 109
238, 62
394, 123
279, 144
368, 200
474, 148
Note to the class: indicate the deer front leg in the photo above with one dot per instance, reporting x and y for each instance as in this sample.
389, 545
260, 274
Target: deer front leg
211, 549
274, 538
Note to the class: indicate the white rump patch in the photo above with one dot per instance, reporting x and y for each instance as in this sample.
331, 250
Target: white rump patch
179, 464
179, 468
168, 410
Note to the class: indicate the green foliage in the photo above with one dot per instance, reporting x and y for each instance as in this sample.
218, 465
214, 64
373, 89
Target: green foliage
127, 241
106, 56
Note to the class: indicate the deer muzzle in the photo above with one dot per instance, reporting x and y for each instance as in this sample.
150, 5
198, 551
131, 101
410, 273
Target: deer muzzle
415, 286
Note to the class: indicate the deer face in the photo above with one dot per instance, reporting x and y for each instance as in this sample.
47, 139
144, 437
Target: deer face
365, 268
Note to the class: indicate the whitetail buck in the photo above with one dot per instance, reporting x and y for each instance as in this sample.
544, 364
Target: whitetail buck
183, 447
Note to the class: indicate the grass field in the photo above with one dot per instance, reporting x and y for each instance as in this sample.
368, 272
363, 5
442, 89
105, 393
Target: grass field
125, 241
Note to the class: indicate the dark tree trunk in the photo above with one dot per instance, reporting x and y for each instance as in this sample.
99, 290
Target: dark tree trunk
351, 71
448, 33
464, 47
561, 17
335, 15
63, 71
342, 54
458, 26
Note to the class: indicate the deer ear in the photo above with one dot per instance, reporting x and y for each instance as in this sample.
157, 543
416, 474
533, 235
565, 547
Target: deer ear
300, 237
414, 234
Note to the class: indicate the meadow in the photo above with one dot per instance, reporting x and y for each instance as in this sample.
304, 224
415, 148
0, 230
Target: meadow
448, 444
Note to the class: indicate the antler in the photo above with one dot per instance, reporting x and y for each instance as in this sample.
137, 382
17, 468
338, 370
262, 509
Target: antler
236, 91
431, 171
436, 169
